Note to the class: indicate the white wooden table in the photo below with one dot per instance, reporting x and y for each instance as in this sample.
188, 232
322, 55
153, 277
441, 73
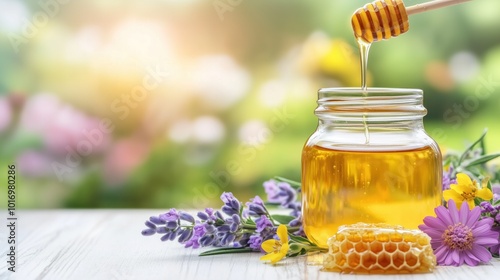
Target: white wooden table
107, 244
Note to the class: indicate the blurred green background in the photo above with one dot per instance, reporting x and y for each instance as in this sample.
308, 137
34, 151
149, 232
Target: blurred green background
169, 103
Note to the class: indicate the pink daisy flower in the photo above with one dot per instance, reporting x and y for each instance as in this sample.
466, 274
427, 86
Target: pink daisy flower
458, 236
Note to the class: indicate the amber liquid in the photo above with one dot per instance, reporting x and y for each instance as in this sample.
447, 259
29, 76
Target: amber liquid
344, 187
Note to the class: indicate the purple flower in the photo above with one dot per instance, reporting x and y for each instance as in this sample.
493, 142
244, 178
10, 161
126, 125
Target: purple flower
263, 223
448, 179
198, 232
171, 216
256, 207
458, 236
255, 242
496, 248
495, 188
280, 192
231, 204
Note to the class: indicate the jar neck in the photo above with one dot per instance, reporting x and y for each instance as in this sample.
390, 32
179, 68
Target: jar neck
377, 108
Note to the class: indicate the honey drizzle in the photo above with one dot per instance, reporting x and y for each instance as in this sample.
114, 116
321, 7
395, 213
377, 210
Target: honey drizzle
364, 49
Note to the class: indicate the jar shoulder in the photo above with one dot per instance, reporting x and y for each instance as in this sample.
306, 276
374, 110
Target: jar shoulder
371, 140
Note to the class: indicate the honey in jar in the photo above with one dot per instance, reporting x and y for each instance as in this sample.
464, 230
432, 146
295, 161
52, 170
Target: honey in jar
369, 161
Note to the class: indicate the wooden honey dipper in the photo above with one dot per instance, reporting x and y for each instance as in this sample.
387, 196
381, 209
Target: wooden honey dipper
383, 19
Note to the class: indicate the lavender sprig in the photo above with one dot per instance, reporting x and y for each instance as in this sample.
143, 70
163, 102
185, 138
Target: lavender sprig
235, 227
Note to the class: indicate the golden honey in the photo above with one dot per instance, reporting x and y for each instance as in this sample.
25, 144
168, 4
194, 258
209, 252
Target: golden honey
339, 187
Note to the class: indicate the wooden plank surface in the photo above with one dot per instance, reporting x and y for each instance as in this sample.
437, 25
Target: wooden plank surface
107, 244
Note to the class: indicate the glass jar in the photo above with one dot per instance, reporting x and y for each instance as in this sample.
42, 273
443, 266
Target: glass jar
369, 160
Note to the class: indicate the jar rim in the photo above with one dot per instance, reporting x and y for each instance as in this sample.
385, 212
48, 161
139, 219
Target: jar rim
372, 104
369, 92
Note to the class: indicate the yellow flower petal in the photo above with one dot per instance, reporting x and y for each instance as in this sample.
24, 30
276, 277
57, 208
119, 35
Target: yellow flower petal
268, 257
484, 193
273, 257
269, 245
455, 196
282, 233
284, 249
278, 257
464, 184
470, 203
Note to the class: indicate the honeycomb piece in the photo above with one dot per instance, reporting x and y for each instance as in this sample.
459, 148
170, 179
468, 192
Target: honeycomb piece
379, 248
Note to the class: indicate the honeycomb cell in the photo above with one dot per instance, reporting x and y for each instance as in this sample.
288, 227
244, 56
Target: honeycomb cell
403, 247
368, 236
390, 247
361, 247
379, 248
368, 260
376, 247
398, 259
353, 260
383, 237
354, 237
411, 259
346, 247
396, 237
384, 260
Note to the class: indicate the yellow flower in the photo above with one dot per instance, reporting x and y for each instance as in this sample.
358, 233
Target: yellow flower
276, 249
466, 190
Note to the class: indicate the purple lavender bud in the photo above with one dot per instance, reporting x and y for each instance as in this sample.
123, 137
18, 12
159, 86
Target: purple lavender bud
236, 245
256, 210
263, 223
235, 204
219, 215
185, 236
186, 217
156, 220
173, 235
228, 238
229, 210
166, 236
244, 239
210, 228
236, 219
223, 228
227, 197
171, 215
300, 232
172, 225
202, 216
497, 218
234, 227
148, 232
161, 230
295, 222
486, 206
288, 194
272, 191
255, 242
150, 225
206, 240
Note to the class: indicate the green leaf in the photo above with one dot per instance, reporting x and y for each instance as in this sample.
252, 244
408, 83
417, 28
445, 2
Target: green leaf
462, 157
221, 251
292, 183
481, 160
300, 239
282, 219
